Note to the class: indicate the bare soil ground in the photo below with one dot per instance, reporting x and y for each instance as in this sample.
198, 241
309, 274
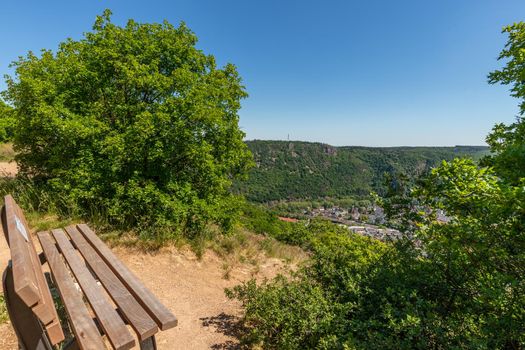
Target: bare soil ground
8, 169
192, 288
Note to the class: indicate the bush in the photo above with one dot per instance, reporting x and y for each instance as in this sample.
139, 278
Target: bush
264, 221
7, 122
310, 309
135, 123
284, 315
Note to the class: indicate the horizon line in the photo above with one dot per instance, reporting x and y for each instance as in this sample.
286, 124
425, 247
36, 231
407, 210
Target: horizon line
397, 146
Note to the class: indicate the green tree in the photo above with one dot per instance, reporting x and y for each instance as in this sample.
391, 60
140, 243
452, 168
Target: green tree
507, 142
7, 122
132, 121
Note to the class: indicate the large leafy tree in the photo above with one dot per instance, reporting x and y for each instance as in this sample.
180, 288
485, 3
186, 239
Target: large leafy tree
132, 121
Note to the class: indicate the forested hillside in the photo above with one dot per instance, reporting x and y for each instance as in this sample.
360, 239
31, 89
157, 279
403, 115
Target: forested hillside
299, 170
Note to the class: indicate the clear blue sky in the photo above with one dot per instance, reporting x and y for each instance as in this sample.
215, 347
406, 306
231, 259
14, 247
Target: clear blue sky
374, 73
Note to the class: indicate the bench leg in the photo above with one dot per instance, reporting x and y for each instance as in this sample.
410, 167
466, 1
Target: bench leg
148, 344
29, 331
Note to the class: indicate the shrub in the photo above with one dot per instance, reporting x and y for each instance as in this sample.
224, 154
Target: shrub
133, 122
284, 315
309, 310
7, 122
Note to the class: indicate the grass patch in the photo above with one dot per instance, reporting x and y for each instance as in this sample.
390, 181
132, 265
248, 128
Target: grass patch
7, 152
47, 221
3, 310
133, 240
243, 247
275, 249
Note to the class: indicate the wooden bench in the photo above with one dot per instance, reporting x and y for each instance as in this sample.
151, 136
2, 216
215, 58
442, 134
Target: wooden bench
102, 298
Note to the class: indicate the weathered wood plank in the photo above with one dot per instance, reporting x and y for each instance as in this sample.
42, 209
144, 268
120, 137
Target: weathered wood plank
24, 278
54, 332
160, 313
84, 328
137, 317
44, 309
114, 327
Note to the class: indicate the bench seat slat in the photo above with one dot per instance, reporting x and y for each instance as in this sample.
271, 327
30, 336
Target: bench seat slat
160, 313
45, 308
85, 330
138, 318
117, 332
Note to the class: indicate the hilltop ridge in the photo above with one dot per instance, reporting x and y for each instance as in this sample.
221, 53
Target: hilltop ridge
310, 170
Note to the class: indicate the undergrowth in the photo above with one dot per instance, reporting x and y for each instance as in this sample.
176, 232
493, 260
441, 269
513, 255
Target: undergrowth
248, 248
6, 152
249, 242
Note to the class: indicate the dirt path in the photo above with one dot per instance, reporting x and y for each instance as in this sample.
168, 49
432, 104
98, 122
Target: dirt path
193, 289
8, 169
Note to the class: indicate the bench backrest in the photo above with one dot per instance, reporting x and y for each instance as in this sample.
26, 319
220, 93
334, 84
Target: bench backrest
28, 278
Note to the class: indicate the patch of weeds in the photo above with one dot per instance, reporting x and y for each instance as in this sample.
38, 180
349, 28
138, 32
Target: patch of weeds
47, 221
198, 246
3, 310
279, 250
255, 271
229, 244
227, 270
268, 246
6, 152
129, 239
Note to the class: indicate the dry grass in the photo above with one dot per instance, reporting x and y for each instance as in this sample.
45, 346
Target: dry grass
3, 310
239, 248
243, 247
133, 241
47, 221
6, 152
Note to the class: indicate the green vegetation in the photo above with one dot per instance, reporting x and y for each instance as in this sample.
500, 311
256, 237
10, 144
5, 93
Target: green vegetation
7, 122
455, 285
263, 221
134, 127
6, 152
132, 124
302, 170
309, 309
243, 247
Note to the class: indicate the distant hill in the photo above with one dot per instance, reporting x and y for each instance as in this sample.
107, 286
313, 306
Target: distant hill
304, 170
